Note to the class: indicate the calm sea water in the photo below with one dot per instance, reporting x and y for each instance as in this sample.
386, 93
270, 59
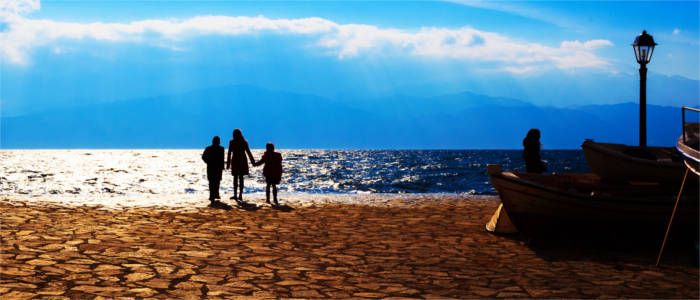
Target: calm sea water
125, 176
410, 171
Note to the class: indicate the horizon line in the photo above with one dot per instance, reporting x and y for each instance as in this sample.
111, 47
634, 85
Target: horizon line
324, 149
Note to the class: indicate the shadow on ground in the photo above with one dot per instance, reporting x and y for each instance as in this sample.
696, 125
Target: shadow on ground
247, 206
220, 205
616, 246
283, 208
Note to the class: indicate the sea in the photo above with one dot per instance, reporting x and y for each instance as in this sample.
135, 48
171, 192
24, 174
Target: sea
177, 177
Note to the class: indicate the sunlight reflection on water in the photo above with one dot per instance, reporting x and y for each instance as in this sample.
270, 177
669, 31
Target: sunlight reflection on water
178, 177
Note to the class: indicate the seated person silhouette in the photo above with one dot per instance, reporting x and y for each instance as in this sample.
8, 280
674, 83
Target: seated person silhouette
531, 152
272, 170
214, 157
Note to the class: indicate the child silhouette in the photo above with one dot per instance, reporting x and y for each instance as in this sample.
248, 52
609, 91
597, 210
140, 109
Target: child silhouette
272, 170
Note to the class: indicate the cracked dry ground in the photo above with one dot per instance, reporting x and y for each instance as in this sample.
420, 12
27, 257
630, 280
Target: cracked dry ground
334, 251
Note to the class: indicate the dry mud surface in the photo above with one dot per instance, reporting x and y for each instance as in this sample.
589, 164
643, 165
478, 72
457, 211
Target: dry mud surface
435, 249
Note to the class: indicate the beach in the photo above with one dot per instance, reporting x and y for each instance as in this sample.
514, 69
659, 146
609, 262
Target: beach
433, 248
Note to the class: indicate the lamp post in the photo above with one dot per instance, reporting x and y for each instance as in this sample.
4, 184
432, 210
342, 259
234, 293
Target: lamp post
643, 49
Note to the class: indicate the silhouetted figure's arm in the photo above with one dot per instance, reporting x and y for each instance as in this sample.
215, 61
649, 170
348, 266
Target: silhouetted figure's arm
230, 154
205, 156
209, 156
221, 158
250, 154
262, 160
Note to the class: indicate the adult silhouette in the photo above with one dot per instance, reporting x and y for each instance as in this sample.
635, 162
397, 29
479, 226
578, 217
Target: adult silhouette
214, 157
531, 152
237, 162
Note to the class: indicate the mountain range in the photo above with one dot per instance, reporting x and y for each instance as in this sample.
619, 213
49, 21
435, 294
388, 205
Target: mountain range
293, 120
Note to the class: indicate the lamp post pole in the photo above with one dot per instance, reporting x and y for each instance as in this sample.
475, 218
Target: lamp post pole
643, 105
643, 49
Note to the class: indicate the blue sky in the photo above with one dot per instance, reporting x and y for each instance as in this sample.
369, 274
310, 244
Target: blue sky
66, 53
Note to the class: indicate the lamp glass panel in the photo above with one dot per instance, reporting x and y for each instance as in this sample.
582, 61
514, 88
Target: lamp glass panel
649, 53
636, 53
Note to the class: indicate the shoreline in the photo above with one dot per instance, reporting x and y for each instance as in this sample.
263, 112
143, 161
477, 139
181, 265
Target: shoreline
432, 249
194, 201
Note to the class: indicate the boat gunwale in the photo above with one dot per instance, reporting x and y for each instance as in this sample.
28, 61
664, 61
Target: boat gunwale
687, 151
595, 146
688, 154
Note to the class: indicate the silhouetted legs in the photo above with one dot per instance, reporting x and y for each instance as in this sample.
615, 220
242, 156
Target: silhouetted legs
237, 187
240, 187
214, 189
214, 177
274, 193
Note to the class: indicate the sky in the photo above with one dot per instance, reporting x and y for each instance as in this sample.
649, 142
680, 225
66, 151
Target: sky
57, 54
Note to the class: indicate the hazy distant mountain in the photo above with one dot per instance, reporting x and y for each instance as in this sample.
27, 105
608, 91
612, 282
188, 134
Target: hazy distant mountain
562, 90
455, 121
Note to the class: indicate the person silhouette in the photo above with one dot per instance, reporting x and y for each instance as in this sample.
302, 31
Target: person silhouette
214, 157
531, 152
237, 162
272, 170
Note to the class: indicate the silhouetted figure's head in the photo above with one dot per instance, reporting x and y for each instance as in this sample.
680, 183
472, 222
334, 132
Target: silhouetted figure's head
532, 139
533, 135
270, 147
216, 140
237, 134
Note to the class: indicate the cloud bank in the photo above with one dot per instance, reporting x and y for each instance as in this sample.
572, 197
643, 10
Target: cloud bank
19, 35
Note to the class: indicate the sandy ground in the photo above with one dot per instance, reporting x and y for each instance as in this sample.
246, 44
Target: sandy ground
435, 249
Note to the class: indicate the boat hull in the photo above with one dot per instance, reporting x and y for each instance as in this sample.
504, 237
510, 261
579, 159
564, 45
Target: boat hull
616, 162
587, 205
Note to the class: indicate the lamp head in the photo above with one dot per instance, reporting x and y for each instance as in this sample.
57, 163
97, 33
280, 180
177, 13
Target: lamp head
643, 47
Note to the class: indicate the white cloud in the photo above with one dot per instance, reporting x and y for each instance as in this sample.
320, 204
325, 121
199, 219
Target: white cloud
676, 31
521, 70
343, 40
14, 8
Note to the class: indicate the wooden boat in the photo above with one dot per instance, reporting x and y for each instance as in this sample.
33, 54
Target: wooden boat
538, 203
618, 162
